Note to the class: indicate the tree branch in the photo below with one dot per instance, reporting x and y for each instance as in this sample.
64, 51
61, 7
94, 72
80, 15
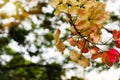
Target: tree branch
25, 66
109, 31
71, 22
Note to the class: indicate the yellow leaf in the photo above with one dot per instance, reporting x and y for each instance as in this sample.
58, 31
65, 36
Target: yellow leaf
83, 61
79, 58
54, 3
95, 38
73, 10
61, 8
73, 2
74, 55
64, 1
82, 25
82, 2
90, 4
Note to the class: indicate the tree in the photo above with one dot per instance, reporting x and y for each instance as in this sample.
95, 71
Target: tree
32, 31
19, 31
86, 20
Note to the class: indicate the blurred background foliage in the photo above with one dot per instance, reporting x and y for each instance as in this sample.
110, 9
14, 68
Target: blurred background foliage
29, 30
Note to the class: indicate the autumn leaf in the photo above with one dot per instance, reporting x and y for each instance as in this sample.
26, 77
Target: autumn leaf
95, 56
116, 34
117, 42
74, 55
83, 61
54, 3
81, 44
57, 35
73, 10
95, 38
110, 57
59, 44
72, 41
94, 50
79, 58
84, 50
62, 8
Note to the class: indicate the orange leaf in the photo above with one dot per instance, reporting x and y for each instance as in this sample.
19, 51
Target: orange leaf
60, 46
115, 33
104, 55
72, 41
105, 59
95, 56
81, 44
56, 37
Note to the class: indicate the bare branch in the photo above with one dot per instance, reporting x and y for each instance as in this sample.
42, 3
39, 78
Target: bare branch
25, 66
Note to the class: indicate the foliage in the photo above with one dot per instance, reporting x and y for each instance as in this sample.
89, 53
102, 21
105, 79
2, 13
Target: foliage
19, 31
86, 19
30, 30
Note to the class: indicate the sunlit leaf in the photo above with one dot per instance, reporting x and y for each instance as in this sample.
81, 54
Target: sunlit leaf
74, 55
95, 56
60, 46
57, 35
94, 50
83, 61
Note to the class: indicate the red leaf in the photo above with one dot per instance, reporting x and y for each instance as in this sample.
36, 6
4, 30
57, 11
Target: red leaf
112, 58
113, 52
106, 60
84, 50
116, 34
81, 44
117, 42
